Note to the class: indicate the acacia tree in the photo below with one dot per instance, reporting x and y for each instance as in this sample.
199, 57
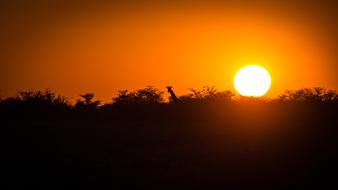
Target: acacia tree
87, 101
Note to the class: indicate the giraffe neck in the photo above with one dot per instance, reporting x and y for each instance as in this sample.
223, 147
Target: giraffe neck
172, 94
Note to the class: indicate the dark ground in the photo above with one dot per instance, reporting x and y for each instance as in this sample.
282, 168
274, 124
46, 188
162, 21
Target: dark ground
198, 146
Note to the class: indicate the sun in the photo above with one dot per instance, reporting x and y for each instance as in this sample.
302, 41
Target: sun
252, 80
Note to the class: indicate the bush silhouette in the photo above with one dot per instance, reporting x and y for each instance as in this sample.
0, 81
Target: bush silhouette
36, 99
207, 93
47, 99
147, 95
87, 102
309, 94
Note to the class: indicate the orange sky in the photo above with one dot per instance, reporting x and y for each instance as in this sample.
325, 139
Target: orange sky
85, 46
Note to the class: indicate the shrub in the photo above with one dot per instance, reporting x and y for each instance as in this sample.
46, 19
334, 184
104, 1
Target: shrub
309, 94
147, 95
87, 102
207, 93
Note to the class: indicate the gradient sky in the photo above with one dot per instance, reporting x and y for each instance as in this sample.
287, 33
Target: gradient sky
77, 46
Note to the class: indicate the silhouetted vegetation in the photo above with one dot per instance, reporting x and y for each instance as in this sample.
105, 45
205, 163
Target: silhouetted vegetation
208, 139
207, 94
48, 99
309, 94
35, 101
87, 103
148, 95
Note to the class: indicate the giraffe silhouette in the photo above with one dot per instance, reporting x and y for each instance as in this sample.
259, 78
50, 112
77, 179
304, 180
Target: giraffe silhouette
172, 95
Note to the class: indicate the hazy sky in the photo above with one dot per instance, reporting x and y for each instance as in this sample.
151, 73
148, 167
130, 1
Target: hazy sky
76, 46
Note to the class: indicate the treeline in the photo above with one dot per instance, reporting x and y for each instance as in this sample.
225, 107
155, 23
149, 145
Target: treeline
48, 99
206, 137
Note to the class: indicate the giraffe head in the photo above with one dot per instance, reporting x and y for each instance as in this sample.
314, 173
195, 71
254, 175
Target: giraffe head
169, 88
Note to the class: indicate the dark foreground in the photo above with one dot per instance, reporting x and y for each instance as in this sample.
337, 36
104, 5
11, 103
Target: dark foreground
235, 145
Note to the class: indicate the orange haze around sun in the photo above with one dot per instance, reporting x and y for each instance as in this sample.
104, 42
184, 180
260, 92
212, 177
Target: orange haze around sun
105, 52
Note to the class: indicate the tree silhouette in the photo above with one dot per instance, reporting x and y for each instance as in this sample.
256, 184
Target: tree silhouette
147, 95
87, 102
207, 93
35, 103
309, 94
36, 99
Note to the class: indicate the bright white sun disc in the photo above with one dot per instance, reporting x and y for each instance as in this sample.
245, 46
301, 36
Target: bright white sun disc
252, 80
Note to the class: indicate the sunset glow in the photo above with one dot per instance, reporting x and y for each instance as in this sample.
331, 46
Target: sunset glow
113, 46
